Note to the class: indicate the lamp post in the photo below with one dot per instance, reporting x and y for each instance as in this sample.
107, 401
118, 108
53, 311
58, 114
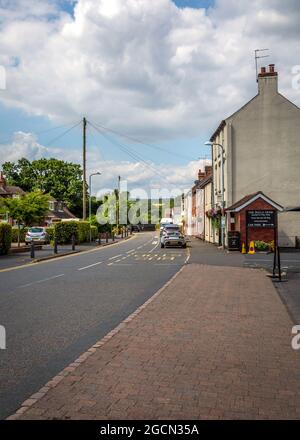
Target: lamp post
90, 199
212, 144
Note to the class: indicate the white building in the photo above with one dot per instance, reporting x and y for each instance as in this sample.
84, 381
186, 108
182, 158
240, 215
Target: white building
262, 153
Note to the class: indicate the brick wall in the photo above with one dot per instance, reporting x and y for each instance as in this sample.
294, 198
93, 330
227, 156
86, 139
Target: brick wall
254, 234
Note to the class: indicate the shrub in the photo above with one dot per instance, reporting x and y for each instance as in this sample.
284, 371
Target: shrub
83, 232
5, 238
50, 232
94, 230
23, 232
63, 231
261, 245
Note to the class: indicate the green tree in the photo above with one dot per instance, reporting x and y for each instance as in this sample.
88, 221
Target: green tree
28, 210
62, 180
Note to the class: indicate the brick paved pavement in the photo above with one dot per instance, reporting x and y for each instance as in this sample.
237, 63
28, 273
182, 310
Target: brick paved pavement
216, 343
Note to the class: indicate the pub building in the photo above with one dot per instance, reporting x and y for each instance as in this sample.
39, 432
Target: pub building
253, 218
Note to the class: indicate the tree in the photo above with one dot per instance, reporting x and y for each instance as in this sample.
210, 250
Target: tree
62, 180
28, 210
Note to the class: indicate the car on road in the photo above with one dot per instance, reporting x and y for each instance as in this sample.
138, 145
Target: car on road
37, 234
172, 236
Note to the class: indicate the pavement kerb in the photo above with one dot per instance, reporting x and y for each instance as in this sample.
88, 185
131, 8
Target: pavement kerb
34, 398
66, 255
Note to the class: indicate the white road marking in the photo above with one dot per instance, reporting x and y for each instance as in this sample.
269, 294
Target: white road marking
117, 256
130, 252
91, 265
41, 281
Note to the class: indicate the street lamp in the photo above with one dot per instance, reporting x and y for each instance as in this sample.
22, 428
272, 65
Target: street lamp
212, 144
90, 199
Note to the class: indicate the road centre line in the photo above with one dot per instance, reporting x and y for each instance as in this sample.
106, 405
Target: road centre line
40, 281
91, 265
117, 256
130, 252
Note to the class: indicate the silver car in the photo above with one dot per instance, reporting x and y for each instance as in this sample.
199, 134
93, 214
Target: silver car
37, 234
172, 236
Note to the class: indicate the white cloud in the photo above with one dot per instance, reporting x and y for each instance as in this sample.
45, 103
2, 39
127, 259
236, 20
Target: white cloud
137, 175
144, 67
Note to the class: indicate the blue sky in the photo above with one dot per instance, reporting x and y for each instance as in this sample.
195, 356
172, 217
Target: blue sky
184, 149
155, 73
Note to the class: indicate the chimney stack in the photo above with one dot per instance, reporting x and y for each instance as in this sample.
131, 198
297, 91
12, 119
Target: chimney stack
201, 175
2, 179
268, 80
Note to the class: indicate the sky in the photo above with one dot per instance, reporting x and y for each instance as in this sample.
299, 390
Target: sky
162, 72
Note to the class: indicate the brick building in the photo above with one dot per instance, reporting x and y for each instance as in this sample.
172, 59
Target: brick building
255, 218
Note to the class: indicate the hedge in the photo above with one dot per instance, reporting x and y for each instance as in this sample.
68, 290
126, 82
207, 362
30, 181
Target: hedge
23, 232
5, 238
64, 231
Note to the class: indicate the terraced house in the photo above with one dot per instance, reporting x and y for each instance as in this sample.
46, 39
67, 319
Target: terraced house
261, 144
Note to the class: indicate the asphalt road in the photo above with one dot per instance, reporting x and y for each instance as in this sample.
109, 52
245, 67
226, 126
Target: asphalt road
53, 311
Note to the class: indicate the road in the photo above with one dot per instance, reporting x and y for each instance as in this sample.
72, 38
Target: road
53, 311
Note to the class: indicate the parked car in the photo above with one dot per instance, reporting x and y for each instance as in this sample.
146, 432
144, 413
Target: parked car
172, 236
136, 228
37, 234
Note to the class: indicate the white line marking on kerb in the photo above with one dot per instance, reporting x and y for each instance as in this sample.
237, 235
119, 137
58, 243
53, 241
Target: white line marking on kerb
91, 265
41, 281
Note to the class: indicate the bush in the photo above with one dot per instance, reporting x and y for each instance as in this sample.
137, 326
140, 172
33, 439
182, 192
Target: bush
23, 232
94, 230
261, 245
83, 232
50, 232
5, 238
63, 231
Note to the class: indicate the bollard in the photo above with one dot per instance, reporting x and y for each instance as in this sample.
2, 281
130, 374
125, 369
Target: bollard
122, 234
55, 245
99, 238
32, 250
113, 236
106, 237
73, 242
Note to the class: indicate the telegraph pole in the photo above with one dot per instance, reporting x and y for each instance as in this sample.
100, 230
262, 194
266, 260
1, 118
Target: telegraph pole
118, 201
84, 171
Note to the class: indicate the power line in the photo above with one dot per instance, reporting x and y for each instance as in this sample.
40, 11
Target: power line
61, 135
130, 153
143, 143
39, 132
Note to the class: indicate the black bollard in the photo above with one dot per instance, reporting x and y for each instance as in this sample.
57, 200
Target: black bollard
32, 250
73, 242
55, 245
106, 237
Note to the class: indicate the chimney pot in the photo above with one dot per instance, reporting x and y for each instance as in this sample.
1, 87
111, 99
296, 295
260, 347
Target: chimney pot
263, 70
272, 68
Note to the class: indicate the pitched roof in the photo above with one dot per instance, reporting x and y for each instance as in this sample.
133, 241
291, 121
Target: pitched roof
245, 201
8, 190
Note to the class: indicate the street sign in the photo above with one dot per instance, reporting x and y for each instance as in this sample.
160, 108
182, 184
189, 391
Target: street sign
261, 219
